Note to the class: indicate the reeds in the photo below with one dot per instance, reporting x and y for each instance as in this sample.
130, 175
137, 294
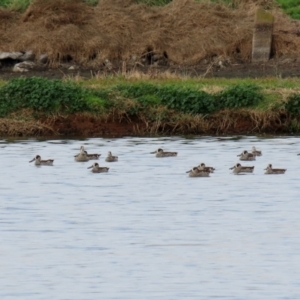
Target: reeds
158, 121
25, 128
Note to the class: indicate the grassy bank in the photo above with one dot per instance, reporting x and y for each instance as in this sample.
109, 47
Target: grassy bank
159, 106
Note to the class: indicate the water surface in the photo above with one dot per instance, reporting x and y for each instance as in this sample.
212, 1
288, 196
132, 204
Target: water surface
145, 230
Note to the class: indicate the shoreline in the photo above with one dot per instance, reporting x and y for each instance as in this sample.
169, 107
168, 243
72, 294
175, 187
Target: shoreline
120, 106
89, 126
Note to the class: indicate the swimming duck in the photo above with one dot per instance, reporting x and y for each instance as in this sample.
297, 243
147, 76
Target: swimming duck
202, 167
110, 157
82, 156
256, 152
196, 172
245, 155
269, 170
161, 153
40, 162
90, 156
97, 169
238, 168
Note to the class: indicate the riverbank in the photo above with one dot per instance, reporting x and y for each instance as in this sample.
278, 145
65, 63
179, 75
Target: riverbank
240, 122
101, 75
119, 106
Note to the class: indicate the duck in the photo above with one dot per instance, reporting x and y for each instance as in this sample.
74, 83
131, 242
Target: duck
97, 169
269, 170
90, 156
256, 152
196, 172
82, 156
161, 153
245, 155
238, 168
40, 162
110, 157
202, 167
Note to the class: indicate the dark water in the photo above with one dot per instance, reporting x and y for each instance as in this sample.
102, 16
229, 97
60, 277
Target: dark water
145, 230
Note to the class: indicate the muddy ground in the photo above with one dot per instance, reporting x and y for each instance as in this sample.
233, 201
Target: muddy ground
282, 69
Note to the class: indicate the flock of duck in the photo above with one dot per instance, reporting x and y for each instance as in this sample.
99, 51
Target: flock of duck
82, 156
199, 171
204, 171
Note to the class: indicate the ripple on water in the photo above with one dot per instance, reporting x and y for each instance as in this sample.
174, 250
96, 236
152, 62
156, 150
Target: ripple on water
146, 230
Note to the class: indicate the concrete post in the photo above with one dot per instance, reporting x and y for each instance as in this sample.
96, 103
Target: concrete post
262, 36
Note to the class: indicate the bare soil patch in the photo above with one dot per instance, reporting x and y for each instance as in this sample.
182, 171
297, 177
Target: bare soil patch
283, 68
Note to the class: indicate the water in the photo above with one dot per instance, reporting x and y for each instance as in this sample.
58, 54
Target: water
145, 230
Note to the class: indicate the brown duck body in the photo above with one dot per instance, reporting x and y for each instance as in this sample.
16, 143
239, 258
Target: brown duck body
245, 155
111, 158
81, 157
205, 168
40, 162
247, 169
238, 169
93, 156
256, 152
269, 170
97, 169
161, 153
196, 172
84, 156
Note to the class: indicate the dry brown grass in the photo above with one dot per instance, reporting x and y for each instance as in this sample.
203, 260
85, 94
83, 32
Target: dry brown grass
154, 121
155, 74
184, 31
161, 121
269, 121
286, 35
249, 121
241, 121
283, 93
24, 128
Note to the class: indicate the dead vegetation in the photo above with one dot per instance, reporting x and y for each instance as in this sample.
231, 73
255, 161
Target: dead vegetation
242, 121
183, 32
24, 128
118, 122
